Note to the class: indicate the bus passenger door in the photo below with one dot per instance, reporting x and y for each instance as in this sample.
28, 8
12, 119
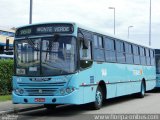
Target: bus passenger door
87, 72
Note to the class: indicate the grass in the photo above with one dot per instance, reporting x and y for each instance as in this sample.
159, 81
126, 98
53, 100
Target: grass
5, 98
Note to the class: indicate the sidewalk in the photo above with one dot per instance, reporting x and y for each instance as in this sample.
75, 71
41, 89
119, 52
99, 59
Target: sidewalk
8, 107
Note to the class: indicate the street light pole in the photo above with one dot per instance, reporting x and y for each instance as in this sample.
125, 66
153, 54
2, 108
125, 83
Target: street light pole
30, 15
114, 18
129, 29
150, 16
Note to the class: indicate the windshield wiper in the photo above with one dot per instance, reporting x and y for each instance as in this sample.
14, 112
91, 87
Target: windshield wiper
55, 38
32, 43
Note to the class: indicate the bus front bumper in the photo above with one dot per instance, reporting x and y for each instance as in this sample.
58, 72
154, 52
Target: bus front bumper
72, 98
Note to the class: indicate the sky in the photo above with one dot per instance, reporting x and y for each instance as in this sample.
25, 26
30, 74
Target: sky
93, 13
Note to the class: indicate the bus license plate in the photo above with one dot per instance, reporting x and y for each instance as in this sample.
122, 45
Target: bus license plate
39, 99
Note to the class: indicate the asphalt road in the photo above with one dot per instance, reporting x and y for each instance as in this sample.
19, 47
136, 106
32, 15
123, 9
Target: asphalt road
122, 105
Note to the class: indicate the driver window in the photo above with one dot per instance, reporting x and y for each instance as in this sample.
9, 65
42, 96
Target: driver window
85, 54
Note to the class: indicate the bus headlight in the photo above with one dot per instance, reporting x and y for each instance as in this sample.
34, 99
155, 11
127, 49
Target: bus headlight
62, 91
68, 90
19, 91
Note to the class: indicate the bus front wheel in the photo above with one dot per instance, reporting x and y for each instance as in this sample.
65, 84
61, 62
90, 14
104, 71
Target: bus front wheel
97, 104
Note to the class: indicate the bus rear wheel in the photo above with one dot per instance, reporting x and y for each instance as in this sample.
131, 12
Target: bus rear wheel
97, 104
141, 94
50, 106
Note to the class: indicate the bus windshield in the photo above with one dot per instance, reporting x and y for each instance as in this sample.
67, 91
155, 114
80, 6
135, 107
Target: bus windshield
45, 56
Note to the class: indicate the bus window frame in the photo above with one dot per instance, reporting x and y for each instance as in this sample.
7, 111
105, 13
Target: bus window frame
79, 40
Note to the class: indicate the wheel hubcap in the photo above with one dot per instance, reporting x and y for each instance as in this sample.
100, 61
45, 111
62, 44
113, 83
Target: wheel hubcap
99, 97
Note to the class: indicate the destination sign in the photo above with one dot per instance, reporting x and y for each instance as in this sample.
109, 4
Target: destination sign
25, 31
54, 29
45, 29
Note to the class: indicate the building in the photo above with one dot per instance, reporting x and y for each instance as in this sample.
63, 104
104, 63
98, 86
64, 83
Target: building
6, 40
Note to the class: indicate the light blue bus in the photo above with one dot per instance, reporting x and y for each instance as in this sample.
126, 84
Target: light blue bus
157, 59
64, 63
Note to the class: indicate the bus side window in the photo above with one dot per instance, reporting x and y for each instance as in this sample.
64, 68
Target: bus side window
152, 57
128, 51
120, 52
136, 52
110, 53
98, 48
95, 38
148, 60
142, 56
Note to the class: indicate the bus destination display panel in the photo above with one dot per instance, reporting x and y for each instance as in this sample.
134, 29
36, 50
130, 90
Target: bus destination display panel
45, 29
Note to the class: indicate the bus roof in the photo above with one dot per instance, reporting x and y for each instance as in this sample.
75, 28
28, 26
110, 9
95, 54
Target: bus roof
92, 30
47, 23
112, 36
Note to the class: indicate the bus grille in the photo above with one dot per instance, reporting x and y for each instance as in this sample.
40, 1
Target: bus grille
41, 89
42, 84
41, 92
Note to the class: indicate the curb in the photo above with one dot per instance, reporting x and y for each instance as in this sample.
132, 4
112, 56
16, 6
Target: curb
20, 110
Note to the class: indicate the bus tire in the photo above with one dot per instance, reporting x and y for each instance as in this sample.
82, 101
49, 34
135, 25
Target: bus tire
50, 106
141, 94
97, 104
